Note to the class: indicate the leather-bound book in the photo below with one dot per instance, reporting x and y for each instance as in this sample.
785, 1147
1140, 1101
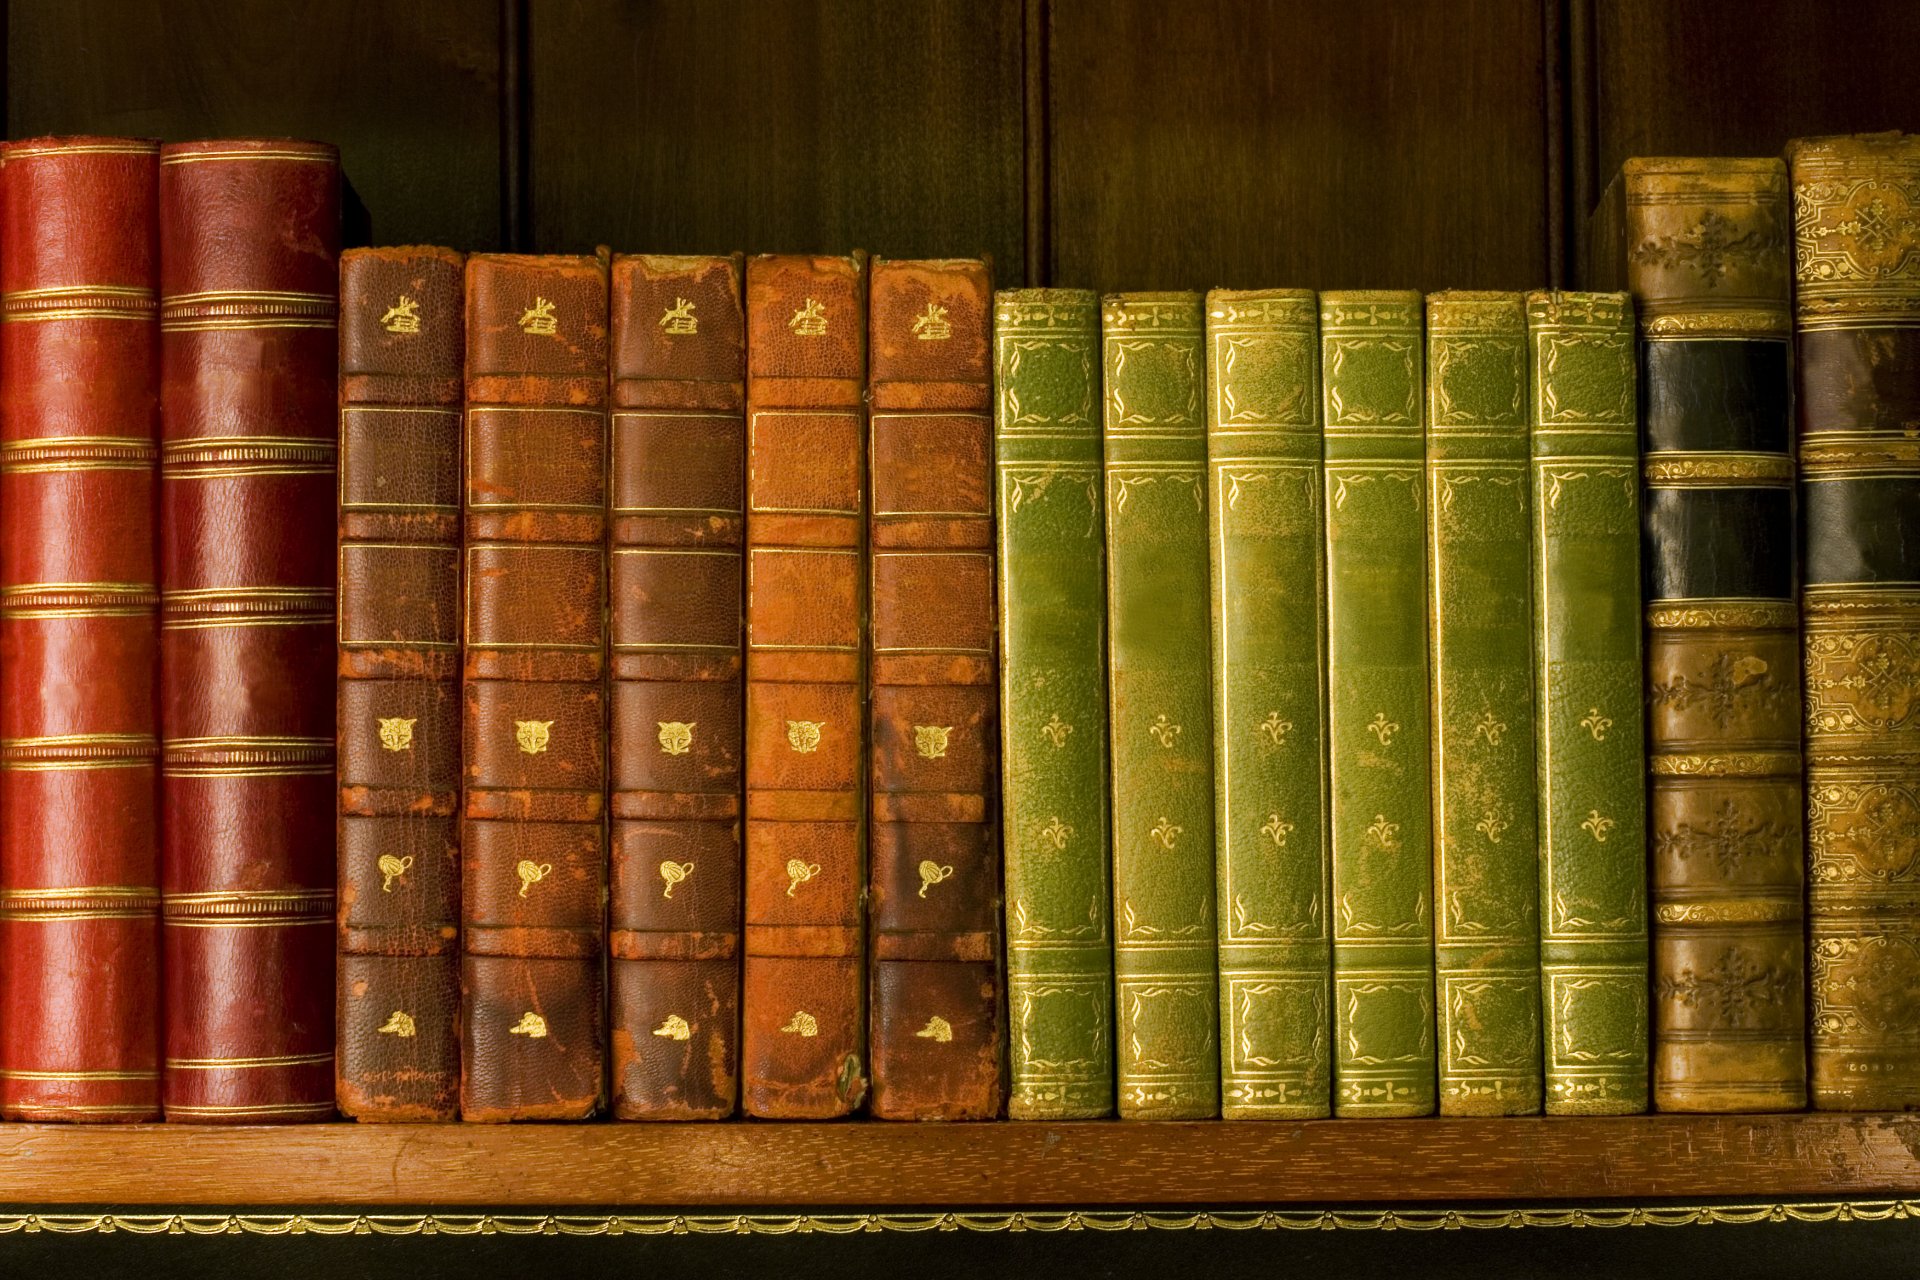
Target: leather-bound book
1486, 859
249, 279
1590, 751
533, 838
1270, 703
1053, 704
679, 455
803, 1007
933, 866
1707, 262
1377, 711
1160, 690
402, 335
79, 615
1857, 330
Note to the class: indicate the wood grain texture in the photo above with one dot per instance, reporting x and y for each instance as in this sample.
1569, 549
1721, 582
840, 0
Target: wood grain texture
1325, 145
779, 126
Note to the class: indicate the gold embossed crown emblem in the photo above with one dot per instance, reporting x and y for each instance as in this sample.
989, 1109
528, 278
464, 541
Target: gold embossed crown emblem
679, 318
810, 321
396, 732
804, 735
532, 735
932, 324
400, 1024
930, 740
539, 321
531, 1025
402, 317
675, 736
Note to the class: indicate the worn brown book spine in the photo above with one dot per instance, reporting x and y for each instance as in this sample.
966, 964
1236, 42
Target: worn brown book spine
803, 1007
679, 433
933, 869
533, 843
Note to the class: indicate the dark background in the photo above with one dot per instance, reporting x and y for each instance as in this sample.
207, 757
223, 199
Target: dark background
1135, 144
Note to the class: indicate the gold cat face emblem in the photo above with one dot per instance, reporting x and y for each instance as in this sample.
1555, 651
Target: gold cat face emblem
396, 732
675, 736
930, 740
532, 735
804, 735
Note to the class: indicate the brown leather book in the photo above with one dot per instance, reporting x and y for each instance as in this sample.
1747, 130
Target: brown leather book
402, 331
249, 274
79, 756
803, 1007
933, 868
679, 441
533, 844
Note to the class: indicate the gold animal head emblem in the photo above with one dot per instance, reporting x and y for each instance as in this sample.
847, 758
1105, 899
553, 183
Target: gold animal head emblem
402, 317
539, 320
930, 740
673, 873
679, 318
396, 733
398, 1024
802, 1024
804, 735
937, 1028
676, 737
531, 1025
810, 321
532, 735
674, 1028
392, 869
931, 874
531, 873
798, 873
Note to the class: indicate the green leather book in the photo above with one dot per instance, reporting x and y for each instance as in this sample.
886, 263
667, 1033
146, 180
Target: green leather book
1588, 729
1269, 700
1377, 739
1160, 692
1486, 861
1053, 703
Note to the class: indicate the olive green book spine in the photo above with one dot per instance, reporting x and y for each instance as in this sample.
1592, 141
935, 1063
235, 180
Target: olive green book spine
1269, 697
1486, 859
1053, 703
1372, 366
1589, 729
1160, 696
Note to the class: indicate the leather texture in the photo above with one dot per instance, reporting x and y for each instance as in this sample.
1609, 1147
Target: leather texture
533, 843
933, 896
1486, 830
1588, 712
1857, 329
1273, 869
1053, 704
1707, 261
1160, 691
803, 1005
1378, 767
402, 348
677, 565
79, 752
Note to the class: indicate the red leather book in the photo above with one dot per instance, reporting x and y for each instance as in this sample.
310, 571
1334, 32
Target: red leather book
933, 869
79, 780
679, 431
402, 335
803, 1014
249, 263
533, 843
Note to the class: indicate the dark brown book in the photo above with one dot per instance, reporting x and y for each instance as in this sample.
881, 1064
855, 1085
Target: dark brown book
933, 868
679, 441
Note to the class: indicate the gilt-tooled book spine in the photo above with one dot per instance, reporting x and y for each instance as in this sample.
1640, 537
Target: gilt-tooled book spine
1591, 754
1053, 703
1272, 864
1486, 860
402, 337
79, 752
1377, 714
803, 1002
1160, 691
933, 872
533, 835
1857, 329
1706, 258
249, 281
676, 566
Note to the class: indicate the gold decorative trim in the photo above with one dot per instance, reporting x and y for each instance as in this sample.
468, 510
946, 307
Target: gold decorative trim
1747, 911
1756, 323
217, 309
308, 155
1732, 764
223, 1064
150, 1074
1731, 615
1678, 469
83, 149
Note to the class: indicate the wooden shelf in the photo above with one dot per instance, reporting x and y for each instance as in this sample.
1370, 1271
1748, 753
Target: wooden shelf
872, 1165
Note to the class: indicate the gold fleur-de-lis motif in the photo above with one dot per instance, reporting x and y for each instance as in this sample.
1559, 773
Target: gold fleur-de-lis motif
1164, 731
1056, 730
1490, 727
804, 735
402, 317
1166, 833
932, 325
396, 732
539, 320
531, 873
532, 735
679, 318
392, 868
1599, 824
1383, 728
931, 874
531, 1025
810, 321
673, 873
802, 1024
930, 740
1596, 724
676, 736
1385, 834
1278, 829
1276, 729
1492, 825
937, 1028
399, 1023
1057, 833
798, 873
674, 1028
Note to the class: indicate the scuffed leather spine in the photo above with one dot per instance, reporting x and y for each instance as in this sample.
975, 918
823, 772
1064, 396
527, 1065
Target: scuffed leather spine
79, 784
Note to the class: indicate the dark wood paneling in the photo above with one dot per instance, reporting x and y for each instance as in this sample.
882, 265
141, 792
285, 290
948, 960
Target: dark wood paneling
779, 125
1339, 144
409, 91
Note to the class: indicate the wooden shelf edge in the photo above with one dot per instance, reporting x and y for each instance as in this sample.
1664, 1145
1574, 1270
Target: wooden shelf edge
1086, 1165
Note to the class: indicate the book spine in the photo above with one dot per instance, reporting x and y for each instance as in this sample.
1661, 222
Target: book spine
402, 329
803, 1007
1486, 860
1053, 705
933, 866
1857, 329
676, 567
1273, 866
1707, 263
533, 838
249, 263
79, 755
1378, 752
1160, 695
1587, 688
